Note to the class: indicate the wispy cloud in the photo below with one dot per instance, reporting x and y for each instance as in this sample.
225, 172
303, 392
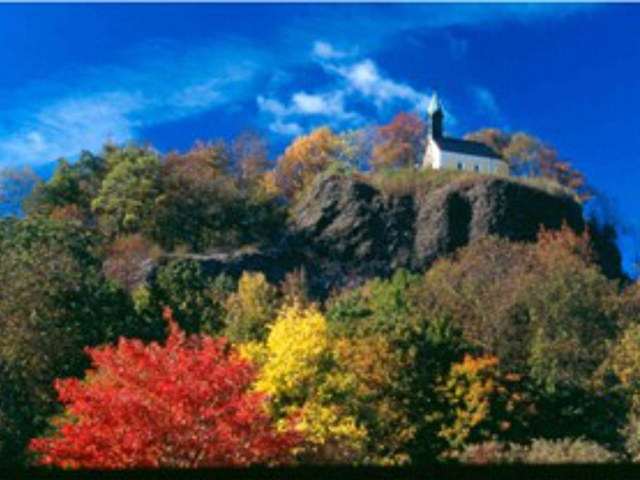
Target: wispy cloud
377, 24
155, 84
487, 104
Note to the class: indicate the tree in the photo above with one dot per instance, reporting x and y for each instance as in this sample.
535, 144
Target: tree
130, 194
251, 309
186, 403
71, 189
378, 369
16, 184
300, 373
546, 312
125, 259
197, 300
201, 203
55, 301
383, 321
249, 156
481, 403
400, 143
306, 157
530, 156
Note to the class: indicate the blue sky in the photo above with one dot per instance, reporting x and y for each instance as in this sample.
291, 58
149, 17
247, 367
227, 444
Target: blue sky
74, 76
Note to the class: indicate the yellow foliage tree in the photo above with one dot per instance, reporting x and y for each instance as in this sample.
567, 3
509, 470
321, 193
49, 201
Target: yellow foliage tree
251, 308
300, 374
306, 157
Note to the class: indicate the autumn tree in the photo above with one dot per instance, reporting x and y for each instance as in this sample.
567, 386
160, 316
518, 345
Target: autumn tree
359, 144
300, 374
249, 155
419, 347
547, 312
306, 157
200, 198
251, 309
481, 403
378, 368
126, 257
186, 403
530, 156
400, 143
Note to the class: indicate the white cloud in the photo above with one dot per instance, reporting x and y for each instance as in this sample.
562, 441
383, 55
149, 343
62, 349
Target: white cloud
352, 80
288, 129
328, 107
326, 51
365, 78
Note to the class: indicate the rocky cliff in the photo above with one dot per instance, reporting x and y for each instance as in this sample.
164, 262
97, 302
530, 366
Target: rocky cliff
345, 230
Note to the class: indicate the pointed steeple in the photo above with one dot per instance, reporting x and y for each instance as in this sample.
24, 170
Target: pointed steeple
436, 116
434, 104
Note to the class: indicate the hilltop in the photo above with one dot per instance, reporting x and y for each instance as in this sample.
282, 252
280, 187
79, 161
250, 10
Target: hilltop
346, 229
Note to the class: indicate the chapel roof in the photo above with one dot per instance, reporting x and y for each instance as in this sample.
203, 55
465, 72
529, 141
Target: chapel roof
466, 147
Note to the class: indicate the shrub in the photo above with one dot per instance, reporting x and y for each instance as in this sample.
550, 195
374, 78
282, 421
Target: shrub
540, 451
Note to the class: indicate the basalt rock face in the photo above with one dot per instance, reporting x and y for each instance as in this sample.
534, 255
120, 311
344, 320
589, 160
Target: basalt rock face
345, 230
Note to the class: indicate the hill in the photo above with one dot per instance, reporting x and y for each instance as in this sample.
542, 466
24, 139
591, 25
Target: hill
345, 229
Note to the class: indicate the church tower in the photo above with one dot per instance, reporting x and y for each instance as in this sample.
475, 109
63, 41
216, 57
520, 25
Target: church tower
436, 117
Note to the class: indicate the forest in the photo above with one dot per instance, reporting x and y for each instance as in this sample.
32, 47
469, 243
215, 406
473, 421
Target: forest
500, 352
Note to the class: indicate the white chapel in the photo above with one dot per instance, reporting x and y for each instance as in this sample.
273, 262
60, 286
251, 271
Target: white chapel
445, 153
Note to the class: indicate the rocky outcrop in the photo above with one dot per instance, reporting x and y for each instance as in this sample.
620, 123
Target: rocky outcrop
345, 230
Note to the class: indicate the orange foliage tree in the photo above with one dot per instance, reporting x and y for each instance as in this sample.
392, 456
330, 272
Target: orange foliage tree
185, 404
306, 157
483, 403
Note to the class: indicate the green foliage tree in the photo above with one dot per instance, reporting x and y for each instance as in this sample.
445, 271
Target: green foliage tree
420, 348
130, 195
55, 301
71, 189
197, 300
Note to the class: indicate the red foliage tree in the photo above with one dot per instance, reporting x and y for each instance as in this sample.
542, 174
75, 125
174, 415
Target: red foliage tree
184, 404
